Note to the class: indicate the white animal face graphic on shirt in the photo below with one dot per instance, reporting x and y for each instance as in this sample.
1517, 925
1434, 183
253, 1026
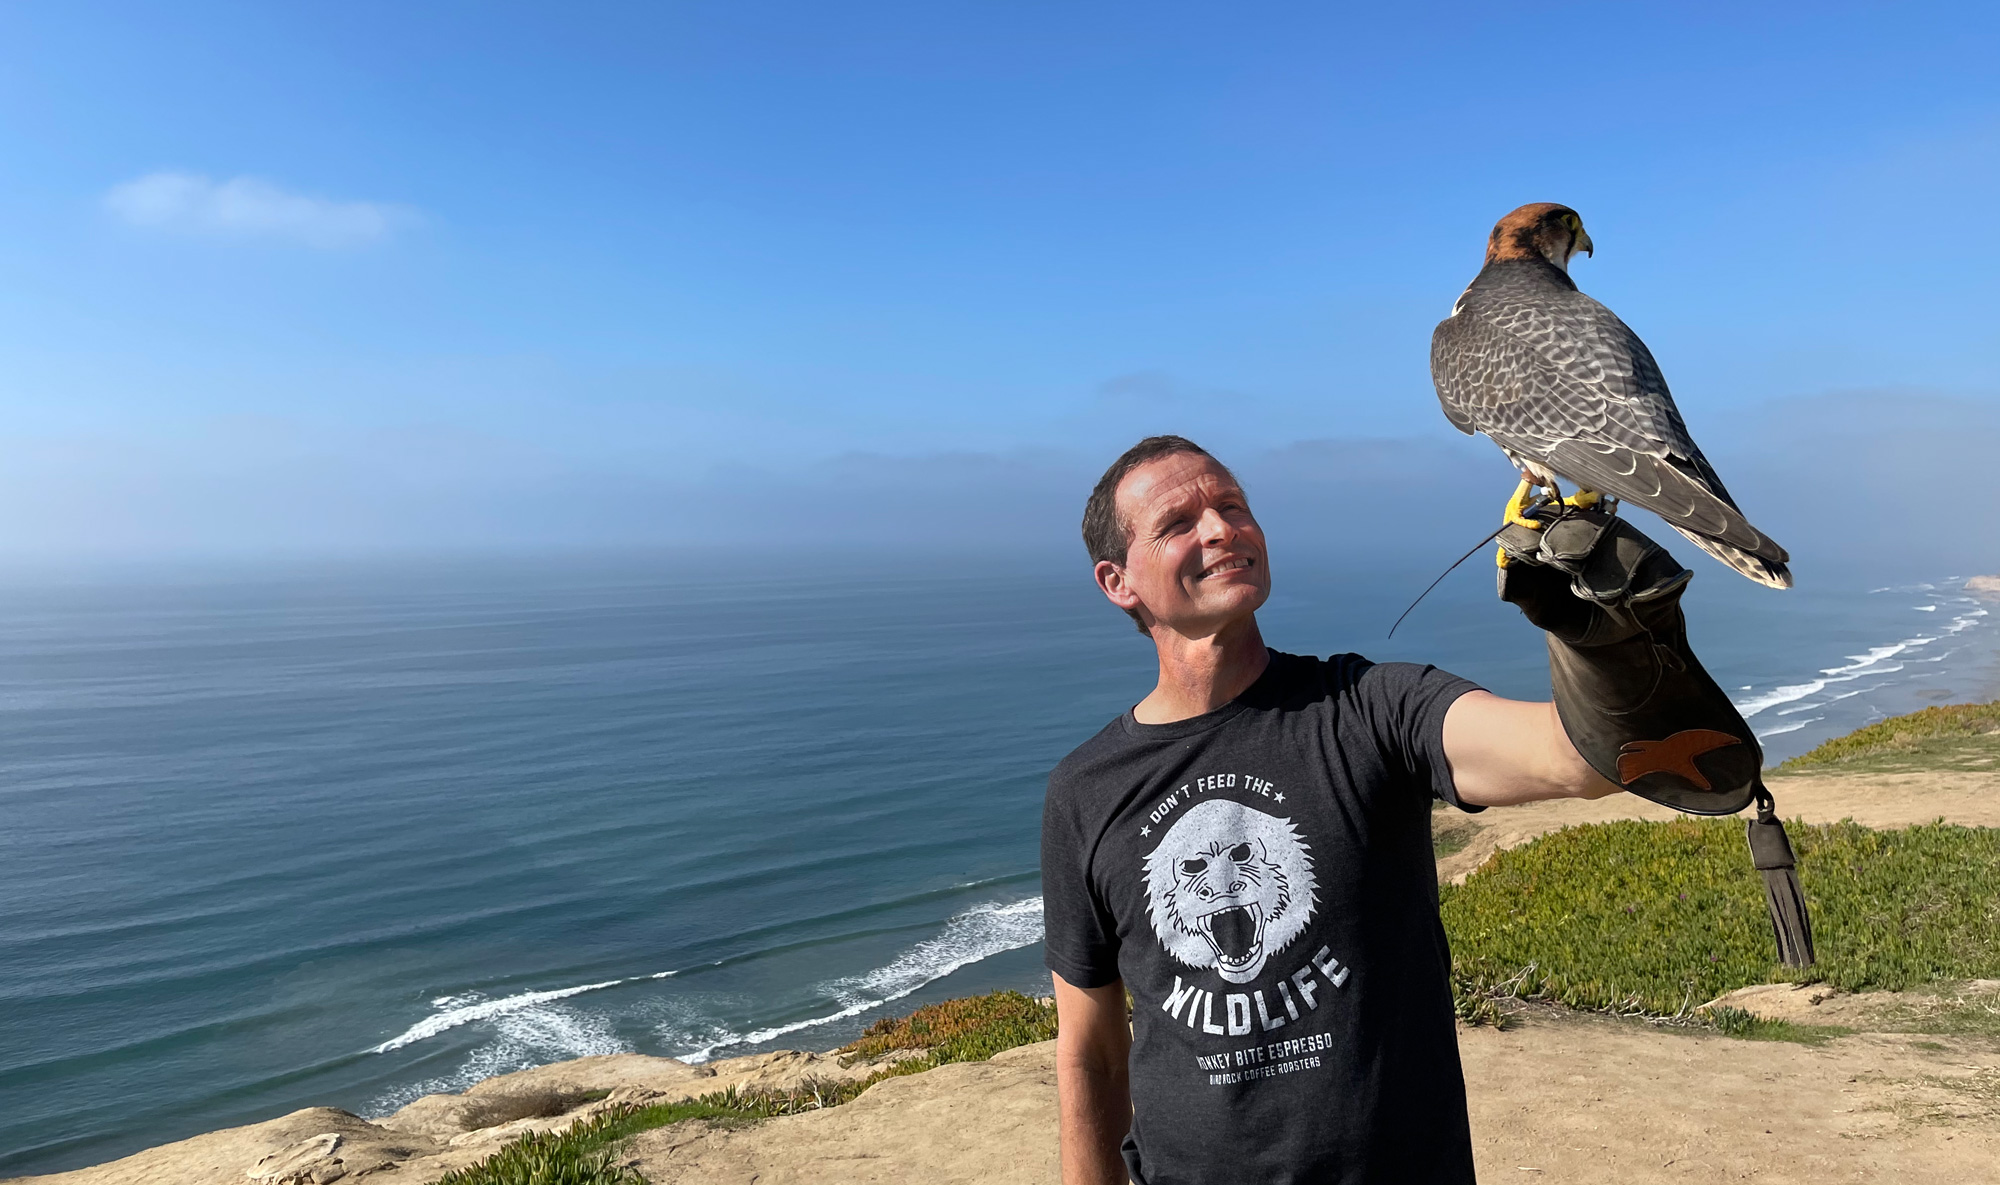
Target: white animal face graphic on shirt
1229, 887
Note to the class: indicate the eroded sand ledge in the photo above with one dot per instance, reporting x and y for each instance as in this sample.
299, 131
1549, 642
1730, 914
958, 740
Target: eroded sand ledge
440, 1132
1563, 1097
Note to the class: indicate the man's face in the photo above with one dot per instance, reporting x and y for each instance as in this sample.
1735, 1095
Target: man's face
1196, 559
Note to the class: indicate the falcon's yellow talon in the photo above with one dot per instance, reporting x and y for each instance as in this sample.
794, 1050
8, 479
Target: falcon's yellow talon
1583, 499
1516, 505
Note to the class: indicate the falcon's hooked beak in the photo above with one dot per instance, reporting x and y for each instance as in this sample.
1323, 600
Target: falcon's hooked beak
1582, 242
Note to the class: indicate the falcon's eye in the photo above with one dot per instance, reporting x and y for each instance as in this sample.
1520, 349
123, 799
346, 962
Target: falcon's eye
1573, 222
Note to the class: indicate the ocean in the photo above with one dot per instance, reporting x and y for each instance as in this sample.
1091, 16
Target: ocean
348, 833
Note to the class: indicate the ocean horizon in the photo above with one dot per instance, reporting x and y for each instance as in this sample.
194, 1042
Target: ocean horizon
349, 832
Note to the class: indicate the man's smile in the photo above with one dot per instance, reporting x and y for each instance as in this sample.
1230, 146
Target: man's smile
1228, 565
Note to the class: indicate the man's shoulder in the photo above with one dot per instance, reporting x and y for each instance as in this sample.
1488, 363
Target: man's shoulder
1107, 747
1299, 680
1294, 681
1335, 669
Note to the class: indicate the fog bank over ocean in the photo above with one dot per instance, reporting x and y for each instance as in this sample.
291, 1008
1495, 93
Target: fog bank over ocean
1878, 480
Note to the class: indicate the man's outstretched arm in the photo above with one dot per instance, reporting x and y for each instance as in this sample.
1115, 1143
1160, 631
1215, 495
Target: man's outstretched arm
1093, 1093
1505, 751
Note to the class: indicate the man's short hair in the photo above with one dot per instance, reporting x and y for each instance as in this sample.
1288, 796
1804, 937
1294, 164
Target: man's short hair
1105, 535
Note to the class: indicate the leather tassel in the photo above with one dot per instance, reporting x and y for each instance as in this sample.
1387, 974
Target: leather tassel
1771, 851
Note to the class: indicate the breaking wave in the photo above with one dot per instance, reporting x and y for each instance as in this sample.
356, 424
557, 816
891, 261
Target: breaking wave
474, 1006
1878, 663
524, 1036
975, 934
535, 1028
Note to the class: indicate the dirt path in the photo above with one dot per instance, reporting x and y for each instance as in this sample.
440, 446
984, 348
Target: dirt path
1564, 1097
1873, 800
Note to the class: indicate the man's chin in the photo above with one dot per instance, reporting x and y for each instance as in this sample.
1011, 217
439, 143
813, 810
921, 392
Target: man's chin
1230, 589
1217, 609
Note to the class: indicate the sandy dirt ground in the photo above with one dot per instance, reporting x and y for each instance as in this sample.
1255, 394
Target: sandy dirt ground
1560, 1097
1563, 1097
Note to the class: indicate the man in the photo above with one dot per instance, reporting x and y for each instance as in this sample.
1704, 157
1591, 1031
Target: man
1248, 852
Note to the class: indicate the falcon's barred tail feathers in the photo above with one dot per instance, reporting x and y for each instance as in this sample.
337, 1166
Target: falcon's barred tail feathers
1569, 392
1770, 573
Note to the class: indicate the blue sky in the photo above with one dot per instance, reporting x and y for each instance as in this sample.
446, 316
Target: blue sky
431, 264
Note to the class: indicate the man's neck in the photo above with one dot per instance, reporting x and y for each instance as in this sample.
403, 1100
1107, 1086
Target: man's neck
1199, 675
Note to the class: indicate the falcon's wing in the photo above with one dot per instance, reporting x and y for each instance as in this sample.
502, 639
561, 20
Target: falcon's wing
1556, 376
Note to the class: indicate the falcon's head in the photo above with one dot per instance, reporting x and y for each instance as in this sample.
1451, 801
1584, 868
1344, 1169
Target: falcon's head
1539, 229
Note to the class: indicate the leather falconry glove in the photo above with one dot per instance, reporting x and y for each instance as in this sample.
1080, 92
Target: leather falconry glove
1633, 697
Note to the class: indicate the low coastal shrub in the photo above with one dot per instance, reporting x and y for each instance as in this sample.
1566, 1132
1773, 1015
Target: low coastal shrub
1737, 1023
1930, 733
493, 1110
542, 1159
1653, 919
587, 1153
968, 1030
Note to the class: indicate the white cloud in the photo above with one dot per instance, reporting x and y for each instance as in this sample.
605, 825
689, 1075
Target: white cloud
246, 207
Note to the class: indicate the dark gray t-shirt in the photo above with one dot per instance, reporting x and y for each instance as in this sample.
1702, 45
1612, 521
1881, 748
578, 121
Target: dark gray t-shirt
1261, 877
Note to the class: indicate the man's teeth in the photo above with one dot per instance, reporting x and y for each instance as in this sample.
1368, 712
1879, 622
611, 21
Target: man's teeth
1226, 566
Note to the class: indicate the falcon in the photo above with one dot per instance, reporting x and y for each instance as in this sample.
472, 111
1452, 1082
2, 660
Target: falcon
1568, 391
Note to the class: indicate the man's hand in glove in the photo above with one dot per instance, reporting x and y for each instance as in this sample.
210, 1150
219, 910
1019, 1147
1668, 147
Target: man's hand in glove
1632, 696
1633, 708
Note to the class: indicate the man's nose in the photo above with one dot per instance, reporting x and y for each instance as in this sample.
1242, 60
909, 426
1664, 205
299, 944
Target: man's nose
1215, 529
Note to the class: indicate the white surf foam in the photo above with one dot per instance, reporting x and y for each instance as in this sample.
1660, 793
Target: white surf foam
463, 1010
979, 933
1877, 661
1785, 728
975, 934
1781, 695
1874, 662
473, 1006
535, 1035
1964, 621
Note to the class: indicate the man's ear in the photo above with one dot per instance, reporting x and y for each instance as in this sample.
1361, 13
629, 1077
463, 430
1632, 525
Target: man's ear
1111, 578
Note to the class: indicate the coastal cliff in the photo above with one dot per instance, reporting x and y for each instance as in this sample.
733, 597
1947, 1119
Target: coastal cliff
442, 1132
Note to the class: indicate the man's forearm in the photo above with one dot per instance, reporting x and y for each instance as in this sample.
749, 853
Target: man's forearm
1096, 1105
1504, 752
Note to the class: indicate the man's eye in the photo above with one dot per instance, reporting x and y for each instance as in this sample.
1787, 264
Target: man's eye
1193, 867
